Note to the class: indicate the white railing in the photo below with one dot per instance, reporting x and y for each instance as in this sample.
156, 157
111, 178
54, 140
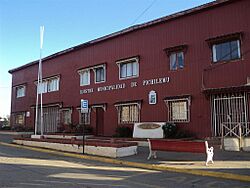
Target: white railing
235, 129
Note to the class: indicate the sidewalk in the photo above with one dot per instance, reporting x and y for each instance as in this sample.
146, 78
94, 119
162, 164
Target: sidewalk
227, 165
237, 163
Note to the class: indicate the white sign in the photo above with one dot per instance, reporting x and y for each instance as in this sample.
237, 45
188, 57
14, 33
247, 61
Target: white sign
118, 86
155, 81
148, 130
28, 114
152, 97
84, 106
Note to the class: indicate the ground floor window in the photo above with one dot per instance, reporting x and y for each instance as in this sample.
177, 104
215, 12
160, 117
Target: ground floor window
178, 109
19, 118
128, 113
66, 116
84, 118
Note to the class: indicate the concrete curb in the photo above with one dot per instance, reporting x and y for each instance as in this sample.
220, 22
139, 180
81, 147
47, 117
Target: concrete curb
214, 174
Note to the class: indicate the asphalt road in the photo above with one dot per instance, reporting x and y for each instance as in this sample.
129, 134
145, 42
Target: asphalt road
22, 168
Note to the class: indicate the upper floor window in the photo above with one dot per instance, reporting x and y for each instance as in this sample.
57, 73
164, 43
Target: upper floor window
43, 87
226, 51
226, 47
49, 85
128, 68
84, 77
176, 60
99, 74
53, 84
20, 91
176, 56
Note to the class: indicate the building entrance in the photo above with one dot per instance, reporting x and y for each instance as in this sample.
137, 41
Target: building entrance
230, 109
51, 119
99, 121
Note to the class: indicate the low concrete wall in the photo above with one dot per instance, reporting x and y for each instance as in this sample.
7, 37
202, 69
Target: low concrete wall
93, 150
142, 143
111, 151
246, 144
15, 133
61, 136
231, 144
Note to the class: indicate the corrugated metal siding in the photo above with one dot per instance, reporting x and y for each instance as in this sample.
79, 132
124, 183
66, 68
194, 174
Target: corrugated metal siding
149, 43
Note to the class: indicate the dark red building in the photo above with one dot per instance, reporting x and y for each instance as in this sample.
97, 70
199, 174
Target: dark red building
191, 68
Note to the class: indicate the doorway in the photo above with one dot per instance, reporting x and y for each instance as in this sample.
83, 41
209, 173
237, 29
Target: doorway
99, 121
51, 119
228, 108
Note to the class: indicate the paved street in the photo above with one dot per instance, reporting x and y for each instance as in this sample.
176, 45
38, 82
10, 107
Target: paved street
21, 168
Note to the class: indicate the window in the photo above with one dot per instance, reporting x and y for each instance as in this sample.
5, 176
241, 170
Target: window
226, 51
49, 85
42, 88
66, 116
176, 60
84, 118
99, 74
226, 47
178, 110
128, 113
128, 68
20, 91
19, 118
84, 77
53, 84
176, 56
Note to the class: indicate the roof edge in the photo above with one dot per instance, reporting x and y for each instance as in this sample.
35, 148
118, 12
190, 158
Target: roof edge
128, 30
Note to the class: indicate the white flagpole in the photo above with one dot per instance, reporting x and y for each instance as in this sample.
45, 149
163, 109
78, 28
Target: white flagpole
37, 96
41, 76
39, 84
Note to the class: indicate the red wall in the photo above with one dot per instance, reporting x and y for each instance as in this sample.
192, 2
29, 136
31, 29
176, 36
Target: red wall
148, 43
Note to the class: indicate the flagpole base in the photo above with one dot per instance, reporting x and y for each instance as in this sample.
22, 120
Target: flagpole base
37, 136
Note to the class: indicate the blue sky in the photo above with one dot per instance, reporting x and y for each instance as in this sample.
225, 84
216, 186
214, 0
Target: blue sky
67, 23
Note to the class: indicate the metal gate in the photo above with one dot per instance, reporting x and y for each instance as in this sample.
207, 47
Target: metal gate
51, 119
228, 108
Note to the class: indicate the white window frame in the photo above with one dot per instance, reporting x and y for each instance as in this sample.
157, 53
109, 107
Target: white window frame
46, 87
43, 87
186, 112
22, 115
133, 61
175, 54
20, 91
81, 73
69, 119
119, 108
88, 117
104, 72
214, 53
53, 84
